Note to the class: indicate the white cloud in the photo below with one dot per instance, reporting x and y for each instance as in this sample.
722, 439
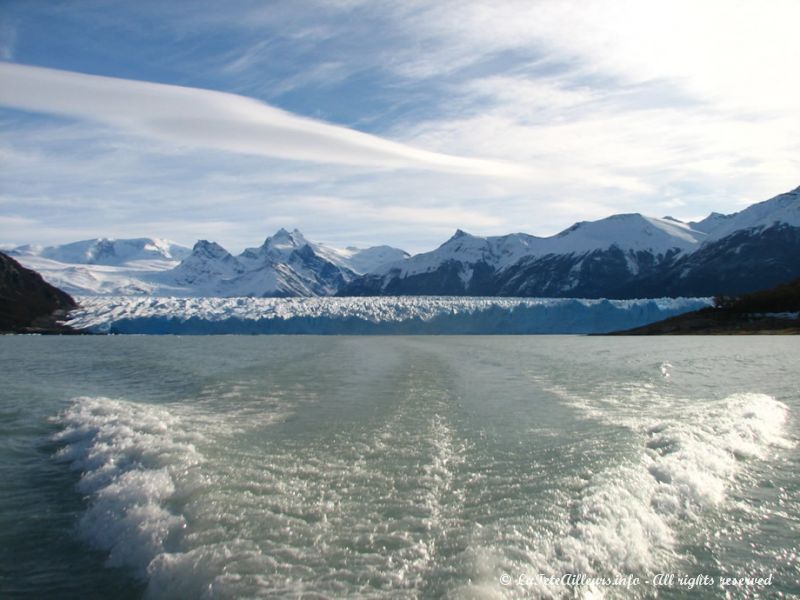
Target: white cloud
10, 221
617, 102
205, 118
610, 106
740, 53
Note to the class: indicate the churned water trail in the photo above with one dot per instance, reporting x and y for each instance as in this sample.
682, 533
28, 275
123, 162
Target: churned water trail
400, 468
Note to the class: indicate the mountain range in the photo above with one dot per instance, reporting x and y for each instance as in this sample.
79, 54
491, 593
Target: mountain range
286, 264
622, 256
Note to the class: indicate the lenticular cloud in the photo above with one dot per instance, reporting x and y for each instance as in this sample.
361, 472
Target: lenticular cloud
219, 120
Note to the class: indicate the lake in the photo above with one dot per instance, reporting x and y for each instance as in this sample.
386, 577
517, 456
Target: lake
402, 467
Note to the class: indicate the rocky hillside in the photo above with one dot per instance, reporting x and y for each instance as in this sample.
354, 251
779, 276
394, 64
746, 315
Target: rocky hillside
28, 304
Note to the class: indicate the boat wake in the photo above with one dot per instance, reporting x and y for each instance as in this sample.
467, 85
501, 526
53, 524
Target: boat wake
135, 462
628, 518
175, 495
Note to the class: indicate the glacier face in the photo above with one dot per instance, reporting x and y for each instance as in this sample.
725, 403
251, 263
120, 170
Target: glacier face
376, 315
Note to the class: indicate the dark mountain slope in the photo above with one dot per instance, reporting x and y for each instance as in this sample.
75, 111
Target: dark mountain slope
622, 256
742, 262
28, 304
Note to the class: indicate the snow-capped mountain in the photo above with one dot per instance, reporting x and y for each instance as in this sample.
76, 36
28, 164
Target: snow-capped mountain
622, 256
107, 251
361, 260
286, 264
751, 250
471, 265
780, 210
710, 223
280, 246
631, 233
103, 265
207, 264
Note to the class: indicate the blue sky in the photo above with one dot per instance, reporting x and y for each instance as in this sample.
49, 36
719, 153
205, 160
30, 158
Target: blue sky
387, 122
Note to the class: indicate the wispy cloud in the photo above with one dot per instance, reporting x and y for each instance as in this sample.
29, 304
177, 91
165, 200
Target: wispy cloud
678, 107
219, 120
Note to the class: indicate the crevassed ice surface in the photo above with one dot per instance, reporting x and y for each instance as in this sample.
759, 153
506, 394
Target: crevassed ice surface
408, 314
396, 467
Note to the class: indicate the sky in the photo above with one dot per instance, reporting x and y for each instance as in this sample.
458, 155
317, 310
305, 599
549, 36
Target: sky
388, 122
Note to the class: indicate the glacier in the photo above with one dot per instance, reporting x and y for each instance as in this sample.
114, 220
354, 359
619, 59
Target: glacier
384, 315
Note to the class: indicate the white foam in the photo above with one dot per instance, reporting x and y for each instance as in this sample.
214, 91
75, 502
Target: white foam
697, 458
139, 466
131, 457
230, 569
198, 537
628, 517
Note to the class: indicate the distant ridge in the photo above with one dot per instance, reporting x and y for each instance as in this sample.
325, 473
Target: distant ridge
286, 264
108, 251
623, 256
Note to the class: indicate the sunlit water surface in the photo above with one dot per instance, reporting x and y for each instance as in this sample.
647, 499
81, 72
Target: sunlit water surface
402, 467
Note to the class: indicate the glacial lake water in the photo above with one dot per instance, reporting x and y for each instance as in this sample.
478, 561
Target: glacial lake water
399, 467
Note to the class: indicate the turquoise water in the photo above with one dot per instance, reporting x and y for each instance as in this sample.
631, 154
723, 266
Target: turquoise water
351, 467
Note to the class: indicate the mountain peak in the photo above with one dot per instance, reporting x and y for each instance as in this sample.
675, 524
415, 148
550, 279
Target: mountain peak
460, 233
710, 223
782, 209
208, 261
283, 239
627, 217
204, 248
